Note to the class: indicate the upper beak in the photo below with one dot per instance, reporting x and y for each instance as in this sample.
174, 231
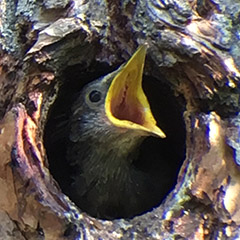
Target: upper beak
126, 105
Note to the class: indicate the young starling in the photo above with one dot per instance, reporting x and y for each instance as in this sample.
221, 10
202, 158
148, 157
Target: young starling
109, 120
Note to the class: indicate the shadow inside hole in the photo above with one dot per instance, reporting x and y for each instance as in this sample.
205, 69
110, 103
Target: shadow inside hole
161, 158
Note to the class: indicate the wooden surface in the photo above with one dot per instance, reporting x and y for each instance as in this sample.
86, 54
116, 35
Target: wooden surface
194, 45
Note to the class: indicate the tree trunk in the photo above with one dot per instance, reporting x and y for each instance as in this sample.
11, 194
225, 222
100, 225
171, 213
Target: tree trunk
192, 46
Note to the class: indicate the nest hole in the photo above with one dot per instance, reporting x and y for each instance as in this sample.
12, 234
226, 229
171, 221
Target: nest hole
161, 158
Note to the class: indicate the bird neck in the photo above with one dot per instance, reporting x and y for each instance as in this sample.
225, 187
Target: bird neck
102, 151
114, 153
107, 155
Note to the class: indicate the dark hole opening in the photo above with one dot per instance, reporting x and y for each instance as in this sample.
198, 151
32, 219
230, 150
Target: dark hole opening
161, 158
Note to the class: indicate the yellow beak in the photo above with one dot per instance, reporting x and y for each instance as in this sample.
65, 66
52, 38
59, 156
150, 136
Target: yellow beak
126, 105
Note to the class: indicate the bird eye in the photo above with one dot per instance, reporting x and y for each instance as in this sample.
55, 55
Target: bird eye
95, 96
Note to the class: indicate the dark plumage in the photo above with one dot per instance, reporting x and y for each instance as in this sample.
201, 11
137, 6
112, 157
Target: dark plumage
104, 141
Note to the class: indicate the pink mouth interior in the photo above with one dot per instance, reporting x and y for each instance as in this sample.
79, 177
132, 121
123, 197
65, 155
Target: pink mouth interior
127, 107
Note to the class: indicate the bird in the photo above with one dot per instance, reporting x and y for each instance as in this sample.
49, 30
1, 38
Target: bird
109, 120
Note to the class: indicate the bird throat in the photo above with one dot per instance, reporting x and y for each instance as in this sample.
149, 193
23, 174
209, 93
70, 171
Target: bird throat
114, 155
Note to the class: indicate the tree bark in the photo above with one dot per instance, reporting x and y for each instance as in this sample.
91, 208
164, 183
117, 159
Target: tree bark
193, 44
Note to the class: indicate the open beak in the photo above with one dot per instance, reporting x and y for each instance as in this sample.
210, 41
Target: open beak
126, 105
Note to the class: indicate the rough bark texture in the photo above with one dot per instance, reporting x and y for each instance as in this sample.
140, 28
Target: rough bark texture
194, 44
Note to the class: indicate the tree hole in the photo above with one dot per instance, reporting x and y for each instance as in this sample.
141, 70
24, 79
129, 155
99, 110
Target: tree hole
160, 158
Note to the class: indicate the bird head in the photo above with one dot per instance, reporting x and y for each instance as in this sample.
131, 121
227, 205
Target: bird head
116, 100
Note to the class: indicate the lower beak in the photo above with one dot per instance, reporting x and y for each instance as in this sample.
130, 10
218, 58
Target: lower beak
126, 105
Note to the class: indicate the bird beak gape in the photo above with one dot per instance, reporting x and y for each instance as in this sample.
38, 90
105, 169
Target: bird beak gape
126, 104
